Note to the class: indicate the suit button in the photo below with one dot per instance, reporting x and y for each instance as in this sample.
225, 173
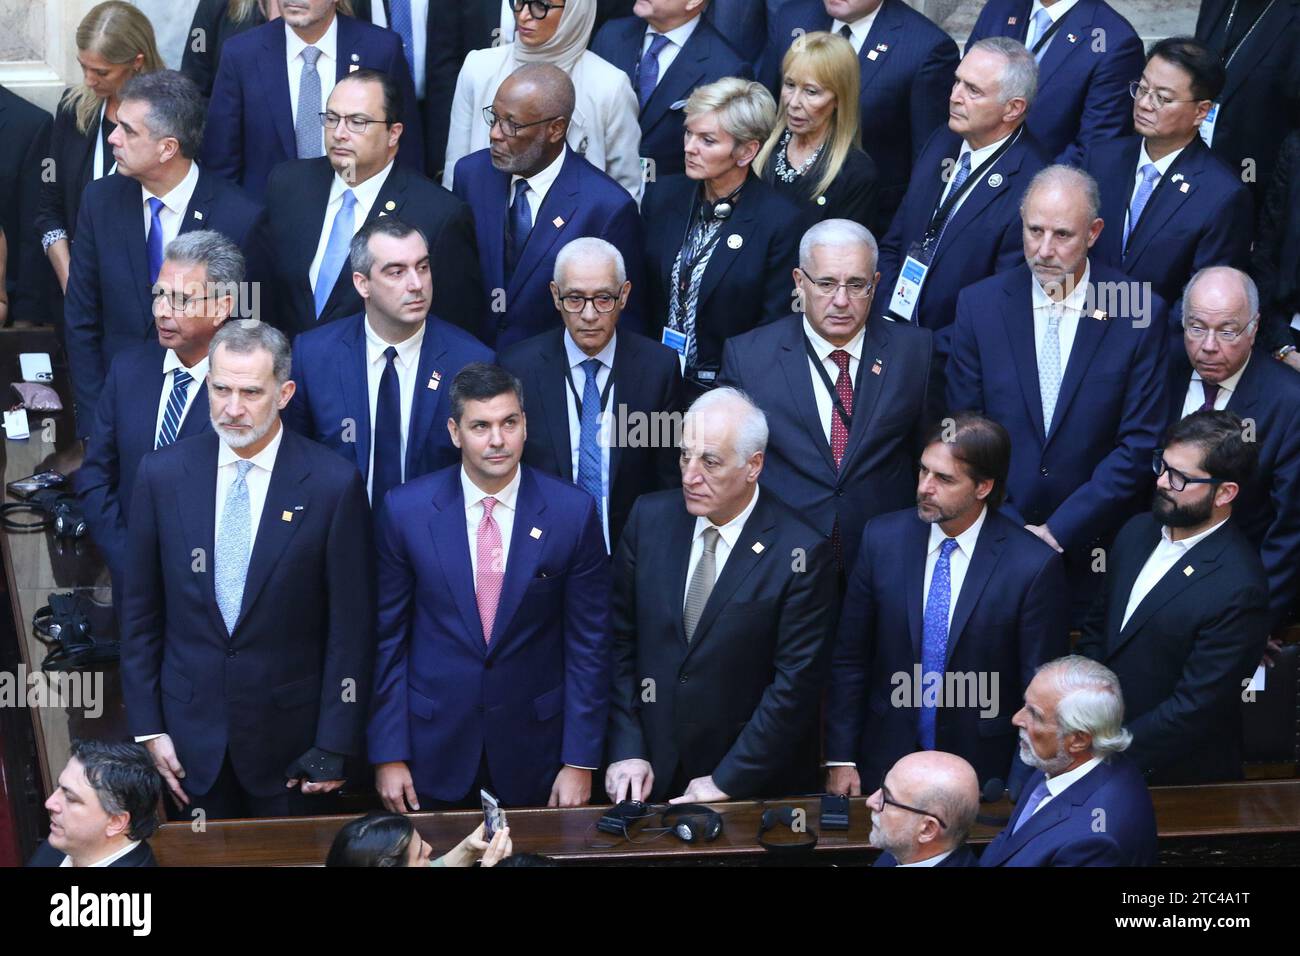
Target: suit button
231, 654
487, 665
682, 679
1043, 471
839, 492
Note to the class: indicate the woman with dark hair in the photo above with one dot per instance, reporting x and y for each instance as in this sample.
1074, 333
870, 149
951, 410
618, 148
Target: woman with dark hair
390, 839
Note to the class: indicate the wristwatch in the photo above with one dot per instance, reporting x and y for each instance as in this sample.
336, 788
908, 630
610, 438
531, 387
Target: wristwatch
1283, 352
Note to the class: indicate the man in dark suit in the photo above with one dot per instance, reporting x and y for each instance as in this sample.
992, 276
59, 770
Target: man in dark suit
923, 811
1259, 44
154, 393
248, 625
906, 64
959, 222
667, 50
1184, 617
1218, 369
951, 608
370, 386
493, 662
742, 22
127, 220
1069, 357
845, 398
1087, 56
103, 808
531, 195
1086, 804
722, 612
24, 143
316, 206
1173, 207
609, 401
274, 80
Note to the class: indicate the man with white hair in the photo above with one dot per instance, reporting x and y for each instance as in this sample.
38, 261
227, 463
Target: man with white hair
924, 810
721, 613
1086, 805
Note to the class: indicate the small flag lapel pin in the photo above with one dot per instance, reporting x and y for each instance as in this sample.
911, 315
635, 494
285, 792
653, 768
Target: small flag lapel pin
435, 380
877, 367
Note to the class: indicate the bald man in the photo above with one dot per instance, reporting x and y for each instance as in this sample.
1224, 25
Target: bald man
531, 195
924, 810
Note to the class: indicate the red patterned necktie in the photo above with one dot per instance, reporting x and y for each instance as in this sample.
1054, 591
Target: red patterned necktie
491, 568
844, 389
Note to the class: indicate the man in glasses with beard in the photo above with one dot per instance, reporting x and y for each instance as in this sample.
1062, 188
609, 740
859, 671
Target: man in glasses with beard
1184, 617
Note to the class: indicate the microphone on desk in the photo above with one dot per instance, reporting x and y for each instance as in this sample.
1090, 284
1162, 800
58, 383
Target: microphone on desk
993, 791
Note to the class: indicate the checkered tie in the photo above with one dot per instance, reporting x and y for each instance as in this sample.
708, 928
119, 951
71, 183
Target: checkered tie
171, 423
1049, 366
844, 389
589, 478
934, 639
307, 129
491, 571
233, 549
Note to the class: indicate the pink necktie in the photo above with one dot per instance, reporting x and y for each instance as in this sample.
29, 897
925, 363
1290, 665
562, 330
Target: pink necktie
491, 568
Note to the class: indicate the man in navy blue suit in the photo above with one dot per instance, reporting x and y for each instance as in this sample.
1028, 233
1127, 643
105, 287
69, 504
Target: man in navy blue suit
155, 392
493, 668
127, 220
248, 624
906, 65
950, 609
743, 22
667, 50
1173, 207
959, 222
273, 83
923, 811
531, 195
1086, 804
846, 399
371, 386
1069, 357
1087, 56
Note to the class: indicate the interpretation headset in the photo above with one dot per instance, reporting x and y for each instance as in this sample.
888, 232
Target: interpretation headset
785, 816
692, 823
723, 208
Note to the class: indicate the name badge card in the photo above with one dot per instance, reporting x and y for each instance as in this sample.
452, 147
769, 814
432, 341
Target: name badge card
1207, 125
677, 342
908, 288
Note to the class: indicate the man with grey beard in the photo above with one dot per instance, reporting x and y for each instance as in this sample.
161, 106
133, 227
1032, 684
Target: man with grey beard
248, 620
923, 811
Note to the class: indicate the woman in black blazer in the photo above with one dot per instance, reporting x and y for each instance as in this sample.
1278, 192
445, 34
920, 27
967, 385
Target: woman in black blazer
721, 244
115, 41
813, 155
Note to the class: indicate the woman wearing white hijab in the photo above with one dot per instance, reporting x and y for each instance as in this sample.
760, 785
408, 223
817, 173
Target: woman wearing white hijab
604, 127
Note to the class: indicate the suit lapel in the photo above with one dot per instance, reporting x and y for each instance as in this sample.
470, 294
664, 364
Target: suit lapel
988, 548
1167, 198
883, 37
1074, 24
1018, 321
1203, 560
1087, 338
799, 380
676, 557
355, 389
130, 212
448, 531
870, 384
685, 73
915, 549
556, 211
284, 496
1272, 26
197, 503
552, 386
742, 226
427, 400
525, 552
310, 224
984, 192
753, 546
199, 213
274, 81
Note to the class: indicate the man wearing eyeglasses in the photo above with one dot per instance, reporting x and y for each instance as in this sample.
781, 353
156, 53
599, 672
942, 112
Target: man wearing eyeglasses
316, 206
1217, 370
609, 400
1171, 206
1183, 619
924, 810
846, 399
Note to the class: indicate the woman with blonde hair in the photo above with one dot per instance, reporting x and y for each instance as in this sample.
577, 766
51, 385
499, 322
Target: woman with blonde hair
115, 41
604, 127
813, 155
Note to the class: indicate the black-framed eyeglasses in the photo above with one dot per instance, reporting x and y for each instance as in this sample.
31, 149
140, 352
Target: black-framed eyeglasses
179, 302
1177, 480
538, 8
355, 123
885, 798
856, 288
1137, 89
509, 126
602, 302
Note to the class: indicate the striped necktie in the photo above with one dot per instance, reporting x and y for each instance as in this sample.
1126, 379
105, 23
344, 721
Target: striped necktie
175, 411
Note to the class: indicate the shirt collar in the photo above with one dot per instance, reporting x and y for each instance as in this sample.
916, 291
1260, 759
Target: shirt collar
264, 459
678, 35
327, 44
930, 861
541, 182
965, 541
171, 361
824, 348
859, 27
474, 494
110, 859
366, 192
731, 530
1058, 784
1188, 543
408, 352
1162, 165
1229, 384
1057, 10
1073, 302
178, 200
979, 156
577, 356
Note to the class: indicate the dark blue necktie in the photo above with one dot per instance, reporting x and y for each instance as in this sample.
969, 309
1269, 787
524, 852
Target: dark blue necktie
155, 239
388, 432
647, 74
175, 410
519, 226
934, 639
589, 436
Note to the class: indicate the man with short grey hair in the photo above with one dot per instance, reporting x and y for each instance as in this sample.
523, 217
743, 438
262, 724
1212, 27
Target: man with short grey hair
126, 222
248, 621
722, 608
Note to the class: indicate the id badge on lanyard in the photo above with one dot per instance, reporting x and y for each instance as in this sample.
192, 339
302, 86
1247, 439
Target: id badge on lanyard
1207, 124
676, 341
907, 290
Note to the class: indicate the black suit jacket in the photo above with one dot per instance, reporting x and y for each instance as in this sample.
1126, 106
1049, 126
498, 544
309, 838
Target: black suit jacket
647, 381
73, 154
297, 195
46, 855
24, 144
737, 702
1275, 260
1185, 654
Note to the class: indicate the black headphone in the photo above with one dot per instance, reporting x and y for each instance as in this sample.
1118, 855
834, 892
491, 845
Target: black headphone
723, 208
692, 822
784, 816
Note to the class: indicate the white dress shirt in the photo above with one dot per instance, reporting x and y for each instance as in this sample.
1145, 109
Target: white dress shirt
1167, 553
728, 534
172, 214
258, 481
958, 561
199, 372
1071, 309
823, 350
978, 158
366, 193
98, 170
419, 35
1057, 10
538, 186
606, 358
1162, 167
932, 861
111, 858
1062, 781
676, 40
503, 513
407, 365
1196, 391
859, 28
326, 64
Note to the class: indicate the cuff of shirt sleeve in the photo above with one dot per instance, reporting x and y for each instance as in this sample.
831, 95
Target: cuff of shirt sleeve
839, 763
576, 767
145, 738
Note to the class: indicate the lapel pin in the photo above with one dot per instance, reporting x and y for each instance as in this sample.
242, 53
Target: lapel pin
535, 533
735, 241
557, 222
382, 213
758, 547
1188, 570
882, 47
1176, 178
435, 379
286, 515
1011, 21
1072, 38
1099, 315
873, 55
876, 367
355, 57
352, 67
1183, 187
995, 180
198, 215
821, 200
390, 205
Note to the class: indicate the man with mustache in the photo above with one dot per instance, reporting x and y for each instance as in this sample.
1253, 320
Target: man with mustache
1184, 617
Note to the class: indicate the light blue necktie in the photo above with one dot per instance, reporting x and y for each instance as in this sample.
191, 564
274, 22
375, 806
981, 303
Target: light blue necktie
589, 437
336, 250
1042, 22
155, 239
232, 549
171, 423
1140, 196
399, 18
934, 637
1049, 366
307, 129
1035, 798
